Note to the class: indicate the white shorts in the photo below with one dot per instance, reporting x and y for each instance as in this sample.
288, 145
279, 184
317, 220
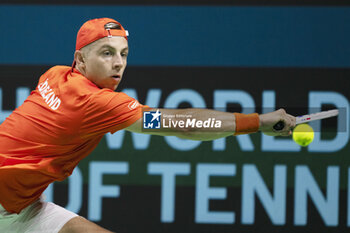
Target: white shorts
39, 217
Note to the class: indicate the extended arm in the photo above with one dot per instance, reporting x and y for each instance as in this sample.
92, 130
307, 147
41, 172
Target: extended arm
221, 124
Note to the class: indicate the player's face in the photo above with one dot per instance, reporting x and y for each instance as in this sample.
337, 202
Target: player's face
105, 62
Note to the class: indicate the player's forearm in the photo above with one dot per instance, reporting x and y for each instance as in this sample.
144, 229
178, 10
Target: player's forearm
205, 124
194, 124
198, 124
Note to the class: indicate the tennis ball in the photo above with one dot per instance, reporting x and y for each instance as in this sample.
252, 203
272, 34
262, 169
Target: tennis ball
303, 134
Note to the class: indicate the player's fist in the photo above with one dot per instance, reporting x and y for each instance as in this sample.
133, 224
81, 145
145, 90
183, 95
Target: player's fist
269, 120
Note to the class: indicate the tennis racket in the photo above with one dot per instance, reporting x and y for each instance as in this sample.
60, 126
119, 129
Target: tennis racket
310, 117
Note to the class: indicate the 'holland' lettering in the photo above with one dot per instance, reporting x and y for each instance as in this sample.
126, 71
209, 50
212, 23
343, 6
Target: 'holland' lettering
48, 95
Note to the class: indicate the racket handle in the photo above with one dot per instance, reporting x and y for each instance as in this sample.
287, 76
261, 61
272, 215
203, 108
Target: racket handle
279, 126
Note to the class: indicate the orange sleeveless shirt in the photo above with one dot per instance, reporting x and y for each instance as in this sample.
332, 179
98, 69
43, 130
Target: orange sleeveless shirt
58, 125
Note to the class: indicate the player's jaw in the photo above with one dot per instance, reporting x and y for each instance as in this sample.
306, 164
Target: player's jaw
104, 77
110, 81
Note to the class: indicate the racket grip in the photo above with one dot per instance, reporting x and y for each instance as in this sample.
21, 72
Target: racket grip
279, 126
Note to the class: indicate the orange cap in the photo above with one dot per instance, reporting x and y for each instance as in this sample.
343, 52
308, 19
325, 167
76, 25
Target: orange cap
96, 29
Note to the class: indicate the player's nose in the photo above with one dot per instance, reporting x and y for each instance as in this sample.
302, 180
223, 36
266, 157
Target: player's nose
117, 61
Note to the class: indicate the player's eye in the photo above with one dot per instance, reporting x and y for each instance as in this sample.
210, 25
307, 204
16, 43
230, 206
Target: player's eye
124, 54
107, 53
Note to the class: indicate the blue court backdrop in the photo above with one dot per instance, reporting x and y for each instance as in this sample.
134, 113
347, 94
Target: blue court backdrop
186, 36
244, 58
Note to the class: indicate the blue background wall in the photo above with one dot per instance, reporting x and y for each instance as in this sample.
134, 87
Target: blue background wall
185, 35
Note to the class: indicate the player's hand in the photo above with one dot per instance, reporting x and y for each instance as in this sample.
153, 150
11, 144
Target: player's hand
268, 120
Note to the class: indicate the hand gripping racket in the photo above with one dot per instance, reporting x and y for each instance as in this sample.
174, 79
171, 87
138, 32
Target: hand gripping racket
311, 117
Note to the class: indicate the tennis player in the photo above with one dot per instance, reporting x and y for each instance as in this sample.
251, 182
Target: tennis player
66, 116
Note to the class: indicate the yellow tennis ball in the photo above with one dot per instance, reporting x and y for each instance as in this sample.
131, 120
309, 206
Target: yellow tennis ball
303, 134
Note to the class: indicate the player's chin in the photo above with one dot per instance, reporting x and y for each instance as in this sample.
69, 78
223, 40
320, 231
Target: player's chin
112, 87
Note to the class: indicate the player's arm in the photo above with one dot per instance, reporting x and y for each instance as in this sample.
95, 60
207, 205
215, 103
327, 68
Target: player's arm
231, 124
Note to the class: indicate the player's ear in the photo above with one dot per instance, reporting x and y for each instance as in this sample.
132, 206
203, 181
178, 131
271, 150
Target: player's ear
79, 59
